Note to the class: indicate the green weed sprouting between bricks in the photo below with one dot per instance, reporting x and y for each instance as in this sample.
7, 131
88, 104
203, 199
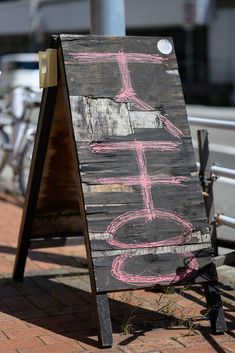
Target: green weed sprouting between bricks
167, 304
132, 303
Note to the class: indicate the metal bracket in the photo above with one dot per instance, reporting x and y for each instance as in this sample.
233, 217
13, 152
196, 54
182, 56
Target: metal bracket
48, 68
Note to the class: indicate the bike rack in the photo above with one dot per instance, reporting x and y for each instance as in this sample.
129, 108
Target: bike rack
209, 173
217, 124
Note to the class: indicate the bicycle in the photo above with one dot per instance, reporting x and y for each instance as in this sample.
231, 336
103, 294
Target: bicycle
17, 133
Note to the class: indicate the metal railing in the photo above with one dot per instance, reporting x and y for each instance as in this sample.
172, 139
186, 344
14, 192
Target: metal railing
217, 171
224, 172
217, 124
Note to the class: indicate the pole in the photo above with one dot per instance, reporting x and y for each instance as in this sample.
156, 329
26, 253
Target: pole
189, 12
189, 70
108, 17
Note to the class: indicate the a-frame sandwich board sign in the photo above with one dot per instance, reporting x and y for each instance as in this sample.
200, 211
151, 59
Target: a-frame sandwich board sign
114, 161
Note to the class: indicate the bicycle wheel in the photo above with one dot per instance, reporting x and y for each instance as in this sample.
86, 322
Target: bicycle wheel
4, 143
24, 166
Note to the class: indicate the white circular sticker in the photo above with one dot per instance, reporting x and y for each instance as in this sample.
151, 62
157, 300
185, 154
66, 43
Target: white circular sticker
164, 46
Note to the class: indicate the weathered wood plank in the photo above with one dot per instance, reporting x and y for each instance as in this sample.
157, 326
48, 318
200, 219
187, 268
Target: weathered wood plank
215, 309
138, 172
58, 190
104, 320
46, 226
174, 249
41, 142
142, 231
135, 271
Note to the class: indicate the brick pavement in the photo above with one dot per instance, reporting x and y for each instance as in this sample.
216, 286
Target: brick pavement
50, 312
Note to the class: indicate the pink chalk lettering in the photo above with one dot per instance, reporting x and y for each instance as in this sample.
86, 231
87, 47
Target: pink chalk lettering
118, 222
140, 58
152, 180
144, 180
127, 93
149, 213
118, 271
161, 146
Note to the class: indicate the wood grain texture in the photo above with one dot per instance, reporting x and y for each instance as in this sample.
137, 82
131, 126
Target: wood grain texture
51, 225
114, 162
164, 268
57, 208
141, 201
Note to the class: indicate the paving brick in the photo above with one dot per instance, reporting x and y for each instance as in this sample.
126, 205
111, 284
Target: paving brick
87, 339
229, 346
53, 320
7, 290
5, 266
78, 325
18, 303
4, 308
27, 287
53, 348
79, 309
43, 301
20, 343
67, 297
3, 337
55, 338
169, 332
205, 348
41, 260
13, 323
220, 338
190, 341
31, 266
5, 316
28, 314
13, 333
182, 350
46, 283
156, 346
62, 260
80, 282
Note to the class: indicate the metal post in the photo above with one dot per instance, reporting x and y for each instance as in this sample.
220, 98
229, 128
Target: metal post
189, 12
189, 69
207, 183
108, 17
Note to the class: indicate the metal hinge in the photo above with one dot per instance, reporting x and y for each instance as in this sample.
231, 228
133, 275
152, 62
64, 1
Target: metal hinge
48, 68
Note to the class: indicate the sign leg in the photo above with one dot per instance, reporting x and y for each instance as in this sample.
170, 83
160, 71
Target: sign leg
20, 262
104, 325
215, 309
207, 183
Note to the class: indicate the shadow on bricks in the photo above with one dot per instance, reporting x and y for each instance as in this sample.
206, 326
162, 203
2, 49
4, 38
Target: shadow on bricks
58, 307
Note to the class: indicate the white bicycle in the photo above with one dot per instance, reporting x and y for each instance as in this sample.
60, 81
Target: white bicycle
17, 140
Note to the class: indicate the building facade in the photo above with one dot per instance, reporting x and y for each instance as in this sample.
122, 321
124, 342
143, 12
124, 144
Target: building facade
202, 30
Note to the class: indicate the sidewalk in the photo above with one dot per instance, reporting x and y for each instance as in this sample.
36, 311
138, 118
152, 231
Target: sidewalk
50, 312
